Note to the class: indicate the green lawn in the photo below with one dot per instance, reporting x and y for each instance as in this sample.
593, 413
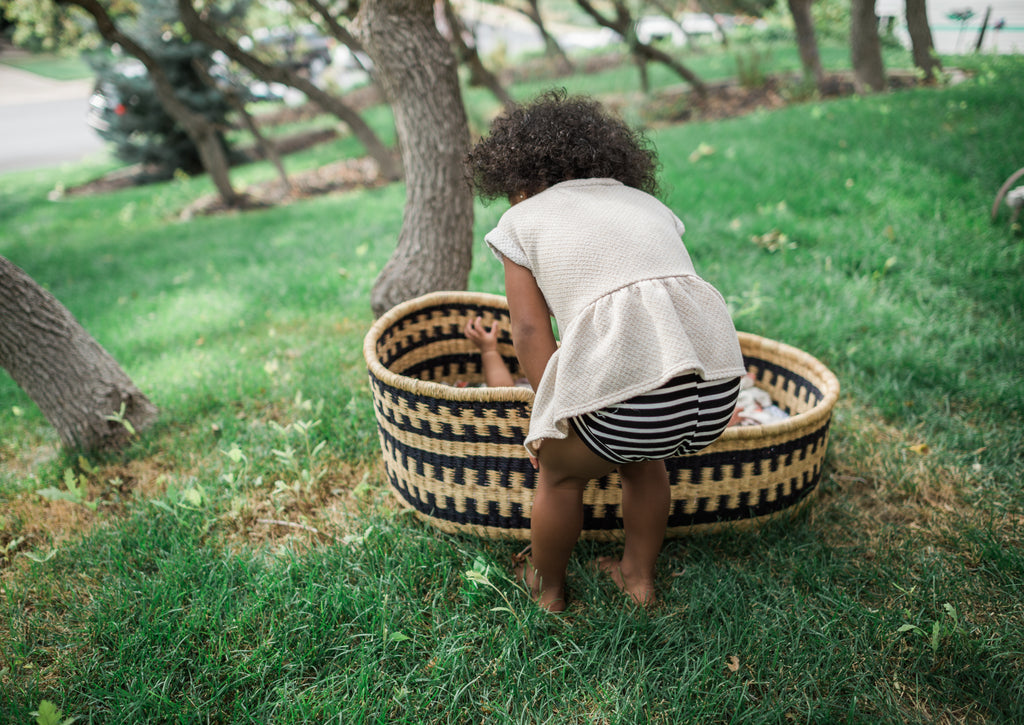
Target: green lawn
224, 569
55, 67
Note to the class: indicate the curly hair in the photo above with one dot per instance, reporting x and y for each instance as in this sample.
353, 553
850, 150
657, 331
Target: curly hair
557, 138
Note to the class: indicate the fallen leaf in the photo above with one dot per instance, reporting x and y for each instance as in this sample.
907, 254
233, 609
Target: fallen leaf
921, 448
700, 152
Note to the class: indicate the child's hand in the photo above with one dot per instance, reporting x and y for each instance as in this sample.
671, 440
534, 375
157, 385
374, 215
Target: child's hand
485, 340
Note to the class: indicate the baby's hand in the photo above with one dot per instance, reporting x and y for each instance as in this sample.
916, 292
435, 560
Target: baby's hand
485, 340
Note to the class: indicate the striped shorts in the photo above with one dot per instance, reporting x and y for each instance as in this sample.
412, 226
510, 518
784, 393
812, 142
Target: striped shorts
683, 416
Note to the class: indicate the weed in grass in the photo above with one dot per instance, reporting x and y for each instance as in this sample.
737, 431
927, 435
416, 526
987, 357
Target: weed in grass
49, 714
481, 575
75, 490
751, 66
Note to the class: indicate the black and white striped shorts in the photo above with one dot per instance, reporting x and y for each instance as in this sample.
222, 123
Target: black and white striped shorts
683, 416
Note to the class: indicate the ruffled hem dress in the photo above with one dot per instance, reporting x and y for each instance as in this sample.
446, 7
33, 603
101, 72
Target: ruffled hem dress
631, 311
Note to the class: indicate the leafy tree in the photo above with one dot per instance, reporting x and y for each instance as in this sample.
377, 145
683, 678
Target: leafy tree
44, 25
135, 119
207, 27
204, 134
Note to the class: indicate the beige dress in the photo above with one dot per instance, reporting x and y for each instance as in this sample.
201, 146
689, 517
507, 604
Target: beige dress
631, 311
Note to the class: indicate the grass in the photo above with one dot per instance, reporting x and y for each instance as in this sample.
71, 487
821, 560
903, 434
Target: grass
54, 67
229, 569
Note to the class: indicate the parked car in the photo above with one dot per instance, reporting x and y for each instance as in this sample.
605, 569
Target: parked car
109, 99
653, 28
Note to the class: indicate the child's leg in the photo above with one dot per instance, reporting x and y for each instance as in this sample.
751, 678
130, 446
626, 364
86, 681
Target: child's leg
645, 507
557, 517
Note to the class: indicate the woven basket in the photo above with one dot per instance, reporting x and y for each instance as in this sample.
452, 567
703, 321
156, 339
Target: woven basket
455, 455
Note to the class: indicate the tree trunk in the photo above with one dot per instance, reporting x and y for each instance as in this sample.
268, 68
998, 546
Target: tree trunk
642, 52
74, 381
479, 74
806, 42
203, 32
204, 134
552, 48
921, 40
865, 48
266, 147
419, 76
649, 52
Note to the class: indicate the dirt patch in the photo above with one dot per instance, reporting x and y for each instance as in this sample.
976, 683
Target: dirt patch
32, 525
339, 176
289, 513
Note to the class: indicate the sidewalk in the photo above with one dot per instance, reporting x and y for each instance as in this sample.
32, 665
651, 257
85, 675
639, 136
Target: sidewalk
42, 121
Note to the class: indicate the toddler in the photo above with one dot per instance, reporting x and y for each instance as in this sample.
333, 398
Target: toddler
649, 364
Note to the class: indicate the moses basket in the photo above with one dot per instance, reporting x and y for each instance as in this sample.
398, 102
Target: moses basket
455, 454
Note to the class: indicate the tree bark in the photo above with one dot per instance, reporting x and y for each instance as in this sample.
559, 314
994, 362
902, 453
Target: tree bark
204, 134
419, 76
203, 32
921, 40
865, 48
806, 42
77, 385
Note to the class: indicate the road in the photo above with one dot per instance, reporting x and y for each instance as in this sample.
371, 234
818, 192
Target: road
42, 122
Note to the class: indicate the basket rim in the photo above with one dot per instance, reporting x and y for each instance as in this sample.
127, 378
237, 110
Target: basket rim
429, 387
829, 383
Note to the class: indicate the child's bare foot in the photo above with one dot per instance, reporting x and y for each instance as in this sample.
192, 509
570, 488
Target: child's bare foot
551, 599
640, 588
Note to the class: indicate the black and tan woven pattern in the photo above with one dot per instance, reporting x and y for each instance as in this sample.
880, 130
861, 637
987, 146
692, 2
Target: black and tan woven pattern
456, 456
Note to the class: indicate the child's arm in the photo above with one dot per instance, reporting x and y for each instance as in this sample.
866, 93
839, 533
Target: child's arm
496, 374
531, 321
